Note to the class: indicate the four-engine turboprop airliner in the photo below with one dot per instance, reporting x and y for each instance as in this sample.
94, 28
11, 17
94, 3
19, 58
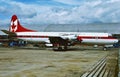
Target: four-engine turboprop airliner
59, 40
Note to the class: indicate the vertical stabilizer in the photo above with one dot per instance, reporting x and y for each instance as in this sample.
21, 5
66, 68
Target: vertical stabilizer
15, 26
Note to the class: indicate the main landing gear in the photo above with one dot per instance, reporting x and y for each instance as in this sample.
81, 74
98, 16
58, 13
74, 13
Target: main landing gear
105, 48
59, 48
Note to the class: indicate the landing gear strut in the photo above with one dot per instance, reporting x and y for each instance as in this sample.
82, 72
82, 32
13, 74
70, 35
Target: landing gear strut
59, 48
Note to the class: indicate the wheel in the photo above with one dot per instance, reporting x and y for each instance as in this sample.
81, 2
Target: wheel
60, 48
104, 48
57, 48
65, 48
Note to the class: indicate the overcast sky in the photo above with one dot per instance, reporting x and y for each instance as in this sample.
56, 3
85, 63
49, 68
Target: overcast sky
60, 11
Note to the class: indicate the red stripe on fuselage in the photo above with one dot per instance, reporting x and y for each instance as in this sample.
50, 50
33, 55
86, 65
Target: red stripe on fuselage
32, 36
79, 37
93, 37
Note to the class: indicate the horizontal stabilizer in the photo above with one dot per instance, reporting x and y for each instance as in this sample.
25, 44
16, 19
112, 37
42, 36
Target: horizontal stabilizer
9, 33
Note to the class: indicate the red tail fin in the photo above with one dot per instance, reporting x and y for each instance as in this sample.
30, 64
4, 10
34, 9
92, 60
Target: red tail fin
16, 27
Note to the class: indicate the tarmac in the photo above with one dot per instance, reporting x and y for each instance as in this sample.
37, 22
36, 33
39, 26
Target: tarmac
33, 62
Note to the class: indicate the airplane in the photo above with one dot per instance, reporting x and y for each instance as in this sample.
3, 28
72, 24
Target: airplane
59, 40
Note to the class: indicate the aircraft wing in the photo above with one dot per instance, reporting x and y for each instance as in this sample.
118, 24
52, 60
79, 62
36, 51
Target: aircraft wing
58, 40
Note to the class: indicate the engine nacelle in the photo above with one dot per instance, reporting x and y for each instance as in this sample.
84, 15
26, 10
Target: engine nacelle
69, 37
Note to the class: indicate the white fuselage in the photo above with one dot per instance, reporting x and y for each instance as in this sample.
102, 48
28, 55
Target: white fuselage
83, 37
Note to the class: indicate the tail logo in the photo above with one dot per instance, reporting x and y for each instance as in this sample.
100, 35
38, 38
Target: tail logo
14, 26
